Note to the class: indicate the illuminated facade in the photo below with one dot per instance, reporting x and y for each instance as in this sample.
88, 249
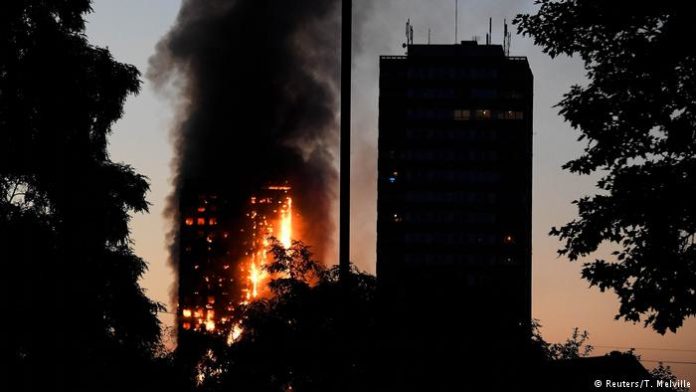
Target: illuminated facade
207, 282
455, 196
223, 254
269, 216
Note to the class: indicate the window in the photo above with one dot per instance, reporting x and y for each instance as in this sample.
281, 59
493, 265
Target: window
512, 94
462, 115
189, 221
393, 177
482, 114
212, 221
483, 93
510, 115
200, 221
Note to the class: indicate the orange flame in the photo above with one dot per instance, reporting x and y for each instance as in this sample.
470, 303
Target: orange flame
275, 221
286, 224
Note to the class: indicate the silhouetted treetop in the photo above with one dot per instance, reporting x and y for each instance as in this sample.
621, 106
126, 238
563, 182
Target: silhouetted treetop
637, 118
68, 265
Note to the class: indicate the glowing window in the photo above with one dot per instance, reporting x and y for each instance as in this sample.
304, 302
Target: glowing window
508, 239
482, 114
189, 221
187, 326
201, 209
187, 313
200, 221
462, 115
212, 221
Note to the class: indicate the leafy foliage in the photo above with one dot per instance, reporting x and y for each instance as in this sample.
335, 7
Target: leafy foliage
574, 347
70, 277
664, 373
637, 116
315, 334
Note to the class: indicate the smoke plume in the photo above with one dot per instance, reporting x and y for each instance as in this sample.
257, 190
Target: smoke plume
255, 83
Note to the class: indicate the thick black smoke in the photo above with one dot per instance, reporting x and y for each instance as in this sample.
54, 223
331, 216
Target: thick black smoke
256, 85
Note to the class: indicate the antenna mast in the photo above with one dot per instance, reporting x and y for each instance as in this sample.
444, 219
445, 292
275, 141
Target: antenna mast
489, 36
456, 20
409, 32
507, 38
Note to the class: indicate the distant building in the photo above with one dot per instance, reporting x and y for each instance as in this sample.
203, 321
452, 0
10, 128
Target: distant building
454, 199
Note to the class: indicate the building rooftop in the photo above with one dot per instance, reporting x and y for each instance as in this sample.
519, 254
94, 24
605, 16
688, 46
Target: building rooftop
463, 49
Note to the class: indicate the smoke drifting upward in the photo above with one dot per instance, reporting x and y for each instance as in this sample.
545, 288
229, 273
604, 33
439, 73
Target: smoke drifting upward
256, 82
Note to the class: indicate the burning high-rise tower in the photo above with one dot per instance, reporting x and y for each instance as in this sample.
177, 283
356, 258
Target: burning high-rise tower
256, 82
207, 282
223, 258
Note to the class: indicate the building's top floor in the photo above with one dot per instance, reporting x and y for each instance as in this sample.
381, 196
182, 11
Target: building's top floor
465, 49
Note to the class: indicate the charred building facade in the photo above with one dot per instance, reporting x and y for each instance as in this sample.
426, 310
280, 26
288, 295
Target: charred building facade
454, 198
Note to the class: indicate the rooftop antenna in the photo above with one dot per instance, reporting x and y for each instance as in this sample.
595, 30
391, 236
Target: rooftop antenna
456, 20
489, 36
409, 34
428, 36
507, 37
509, 42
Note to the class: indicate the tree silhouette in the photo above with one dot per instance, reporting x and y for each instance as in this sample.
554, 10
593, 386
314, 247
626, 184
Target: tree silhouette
76, 318
638, 119
294, 341
574, 347
664, 373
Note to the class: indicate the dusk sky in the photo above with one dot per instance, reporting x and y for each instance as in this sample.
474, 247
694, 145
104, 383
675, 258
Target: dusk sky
561, 299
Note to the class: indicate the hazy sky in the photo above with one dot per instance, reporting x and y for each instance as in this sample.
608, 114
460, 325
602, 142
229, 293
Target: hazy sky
561, 299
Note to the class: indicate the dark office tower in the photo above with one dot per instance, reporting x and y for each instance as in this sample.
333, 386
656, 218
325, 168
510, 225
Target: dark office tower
454, 205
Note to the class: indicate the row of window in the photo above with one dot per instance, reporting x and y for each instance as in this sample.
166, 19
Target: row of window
485, 114
449, 155
449, 217
463, 114
200, 221
450, 72
449, 239
458, 176
458, 259
451, 93
433, 197
452, 134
